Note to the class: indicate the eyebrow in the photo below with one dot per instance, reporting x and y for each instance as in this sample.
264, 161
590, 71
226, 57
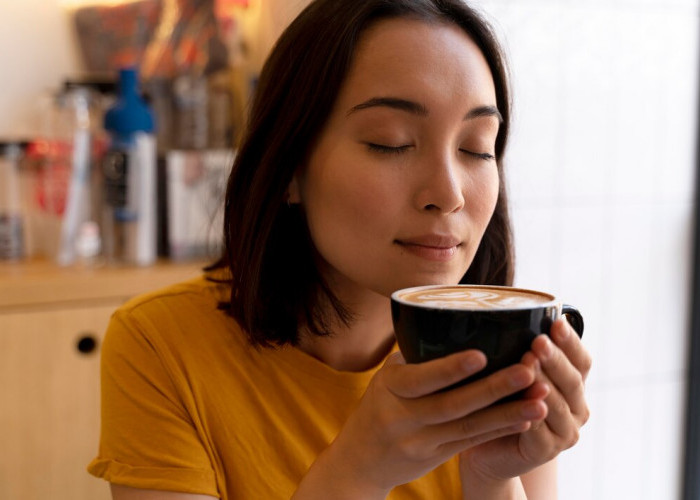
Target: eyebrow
420, 110
484, 111
392, 102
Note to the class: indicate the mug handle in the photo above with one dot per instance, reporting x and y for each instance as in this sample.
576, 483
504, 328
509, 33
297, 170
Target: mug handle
574, 317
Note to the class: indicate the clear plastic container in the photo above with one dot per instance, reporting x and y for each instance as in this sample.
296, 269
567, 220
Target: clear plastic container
12, 214
66, 194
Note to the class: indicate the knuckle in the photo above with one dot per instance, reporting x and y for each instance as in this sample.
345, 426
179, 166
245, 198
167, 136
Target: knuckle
562, 407
382, 420
385, 421
587, 363
586, 415
572, 437
411, 449
577, 384
558, 358
554, 453
467, 427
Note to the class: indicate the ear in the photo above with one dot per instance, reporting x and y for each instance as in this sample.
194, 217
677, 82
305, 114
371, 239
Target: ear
293, 191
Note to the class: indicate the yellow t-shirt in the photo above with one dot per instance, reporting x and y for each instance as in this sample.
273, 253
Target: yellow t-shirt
188, 405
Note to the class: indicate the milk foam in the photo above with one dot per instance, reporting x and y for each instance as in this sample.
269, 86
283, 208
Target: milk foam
479, 298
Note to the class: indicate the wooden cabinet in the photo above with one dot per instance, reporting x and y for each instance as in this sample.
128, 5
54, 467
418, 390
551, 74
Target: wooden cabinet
51, 325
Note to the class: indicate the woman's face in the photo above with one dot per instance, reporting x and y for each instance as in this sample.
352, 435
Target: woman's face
402, 183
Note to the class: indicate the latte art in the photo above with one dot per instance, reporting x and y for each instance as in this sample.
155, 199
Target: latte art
467, 297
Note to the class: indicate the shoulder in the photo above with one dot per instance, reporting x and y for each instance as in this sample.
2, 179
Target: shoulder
185, 313
201, 290
185, 301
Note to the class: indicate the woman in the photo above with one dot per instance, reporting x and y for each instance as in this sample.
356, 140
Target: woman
373, 162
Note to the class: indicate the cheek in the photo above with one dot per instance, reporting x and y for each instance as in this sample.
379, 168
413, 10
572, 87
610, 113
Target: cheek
484, 197
349, 228
342, 188
344, 206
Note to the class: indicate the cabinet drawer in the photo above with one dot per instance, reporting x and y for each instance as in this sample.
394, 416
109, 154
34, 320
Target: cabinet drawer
49, 419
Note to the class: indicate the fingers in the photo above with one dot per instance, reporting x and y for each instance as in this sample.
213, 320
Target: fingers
454, 447
420, 385
465, 400
499, 419
567, 379
564, 336
567, 407
410, 381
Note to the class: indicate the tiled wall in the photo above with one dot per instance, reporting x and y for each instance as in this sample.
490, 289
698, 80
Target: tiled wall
602, 172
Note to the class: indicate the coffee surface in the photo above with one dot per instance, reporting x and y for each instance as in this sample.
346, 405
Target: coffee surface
475, 298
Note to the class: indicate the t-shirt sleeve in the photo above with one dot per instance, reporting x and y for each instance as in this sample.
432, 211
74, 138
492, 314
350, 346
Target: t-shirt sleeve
148, 440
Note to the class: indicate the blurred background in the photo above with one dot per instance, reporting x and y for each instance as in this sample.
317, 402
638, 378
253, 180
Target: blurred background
602, 174
601, 171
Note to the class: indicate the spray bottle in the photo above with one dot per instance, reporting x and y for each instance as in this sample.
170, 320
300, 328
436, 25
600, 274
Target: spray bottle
129, 172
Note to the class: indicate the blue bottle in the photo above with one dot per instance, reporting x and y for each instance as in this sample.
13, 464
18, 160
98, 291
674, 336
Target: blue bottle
129, 172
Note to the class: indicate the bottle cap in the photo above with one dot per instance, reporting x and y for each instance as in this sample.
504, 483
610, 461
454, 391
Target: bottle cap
130, 113
88, 243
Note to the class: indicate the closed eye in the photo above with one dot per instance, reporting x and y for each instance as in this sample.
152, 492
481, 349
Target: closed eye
380, 148
481, 156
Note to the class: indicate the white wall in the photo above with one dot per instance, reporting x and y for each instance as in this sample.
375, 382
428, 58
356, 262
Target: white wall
601, 177
37, 51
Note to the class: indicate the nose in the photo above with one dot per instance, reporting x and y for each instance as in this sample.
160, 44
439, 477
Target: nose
441, 186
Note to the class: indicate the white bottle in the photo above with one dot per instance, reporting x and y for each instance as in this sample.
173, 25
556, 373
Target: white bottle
129, 172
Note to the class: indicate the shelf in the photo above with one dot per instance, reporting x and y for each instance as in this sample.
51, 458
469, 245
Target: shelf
29, 284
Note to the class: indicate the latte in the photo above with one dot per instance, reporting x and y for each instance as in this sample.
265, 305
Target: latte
473, 297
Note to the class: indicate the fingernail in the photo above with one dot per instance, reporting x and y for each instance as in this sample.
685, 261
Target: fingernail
546, 347
563, 332
473, 363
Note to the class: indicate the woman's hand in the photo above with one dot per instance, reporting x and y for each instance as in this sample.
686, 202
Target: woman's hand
562, 365
404, 427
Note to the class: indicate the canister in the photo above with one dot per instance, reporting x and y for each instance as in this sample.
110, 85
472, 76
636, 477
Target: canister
12, 218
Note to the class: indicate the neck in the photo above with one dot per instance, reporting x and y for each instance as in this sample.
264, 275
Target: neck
359, 346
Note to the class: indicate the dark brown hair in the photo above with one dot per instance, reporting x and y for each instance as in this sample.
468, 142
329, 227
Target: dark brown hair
275, 284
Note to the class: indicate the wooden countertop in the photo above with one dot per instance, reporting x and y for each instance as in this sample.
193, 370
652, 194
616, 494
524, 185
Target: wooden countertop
27, 284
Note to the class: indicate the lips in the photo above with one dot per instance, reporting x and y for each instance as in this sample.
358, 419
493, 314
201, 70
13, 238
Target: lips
433, 247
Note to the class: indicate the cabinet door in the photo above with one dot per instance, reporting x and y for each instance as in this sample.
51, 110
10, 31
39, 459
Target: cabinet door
49, 397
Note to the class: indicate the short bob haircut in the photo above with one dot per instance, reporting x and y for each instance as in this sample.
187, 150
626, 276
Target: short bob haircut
276, 287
